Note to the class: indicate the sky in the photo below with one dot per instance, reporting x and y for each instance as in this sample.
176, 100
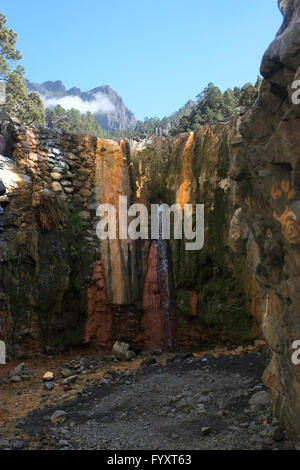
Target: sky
156, 54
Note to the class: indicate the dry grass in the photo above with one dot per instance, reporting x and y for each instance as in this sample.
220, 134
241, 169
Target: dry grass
49, 212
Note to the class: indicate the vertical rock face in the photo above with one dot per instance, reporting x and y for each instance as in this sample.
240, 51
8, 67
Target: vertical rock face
188, 185
158, 318
98, 331
155, 324
266, 170
212, 289
46, 253
113, 179
61, 285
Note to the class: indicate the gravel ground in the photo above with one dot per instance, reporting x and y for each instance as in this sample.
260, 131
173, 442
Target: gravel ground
209, 403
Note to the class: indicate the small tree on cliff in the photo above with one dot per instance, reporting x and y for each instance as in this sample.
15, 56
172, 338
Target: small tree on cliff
28, 108
249, 93
230, 102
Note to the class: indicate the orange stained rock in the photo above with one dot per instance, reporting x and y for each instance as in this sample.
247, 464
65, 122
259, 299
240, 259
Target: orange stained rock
284, 187
289, 225
112, 180
193, 303
185, 193
153, 319
98, 330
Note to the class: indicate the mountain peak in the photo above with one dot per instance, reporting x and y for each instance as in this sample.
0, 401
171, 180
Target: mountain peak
103, 102
56, 86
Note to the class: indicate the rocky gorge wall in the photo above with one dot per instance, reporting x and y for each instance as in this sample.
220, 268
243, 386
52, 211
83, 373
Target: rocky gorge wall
61, 286
266, 170
214, 295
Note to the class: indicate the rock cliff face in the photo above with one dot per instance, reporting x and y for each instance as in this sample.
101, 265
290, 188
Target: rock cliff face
266, 170
61, 286
211, 288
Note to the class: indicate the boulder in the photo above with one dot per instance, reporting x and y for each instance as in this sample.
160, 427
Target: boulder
49, 386
121, 351
48, 377
66, 372
17, 370
260, 399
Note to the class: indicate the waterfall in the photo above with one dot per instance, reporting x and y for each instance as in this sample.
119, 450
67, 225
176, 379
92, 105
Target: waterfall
164, 279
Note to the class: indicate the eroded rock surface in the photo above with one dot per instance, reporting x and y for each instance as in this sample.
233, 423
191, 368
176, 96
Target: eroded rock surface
266, 170
62, 286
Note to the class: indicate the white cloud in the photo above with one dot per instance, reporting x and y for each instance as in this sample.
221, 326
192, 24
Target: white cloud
100, 104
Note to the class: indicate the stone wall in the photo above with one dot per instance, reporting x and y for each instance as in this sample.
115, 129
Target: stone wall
46, 246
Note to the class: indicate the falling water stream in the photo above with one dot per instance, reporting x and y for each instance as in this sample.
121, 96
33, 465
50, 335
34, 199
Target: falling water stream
163, 269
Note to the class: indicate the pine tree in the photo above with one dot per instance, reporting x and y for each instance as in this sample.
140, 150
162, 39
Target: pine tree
230, 102
28, 108
8, 52
249, 93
